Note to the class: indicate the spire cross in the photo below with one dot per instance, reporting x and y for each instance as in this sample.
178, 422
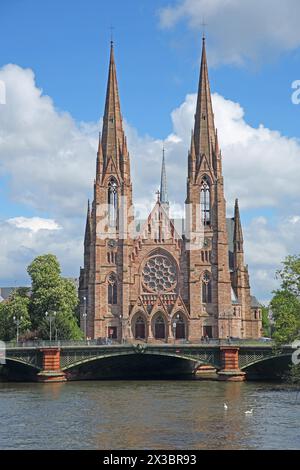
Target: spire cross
158, 194
111, 34
203, 24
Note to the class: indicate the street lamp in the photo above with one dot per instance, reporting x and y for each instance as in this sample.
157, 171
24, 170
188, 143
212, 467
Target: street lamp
84, 315
17, 322
229, 319
121, 322
51, 318
175, 325
174, 331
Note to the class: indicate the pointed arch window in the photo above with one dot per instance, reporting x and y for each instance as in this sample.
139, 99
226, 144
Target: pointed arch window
112, 202
159, 327
140, 328
112, 289
179, 326
206, 288
205, 201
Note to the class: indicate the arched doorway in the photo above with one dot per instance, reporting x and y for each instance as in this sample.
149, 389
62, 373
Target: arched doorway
160, 327
180, 328
140, 328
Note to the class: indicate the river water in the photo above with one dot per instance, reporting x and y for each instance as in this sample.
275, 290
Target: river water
187, 414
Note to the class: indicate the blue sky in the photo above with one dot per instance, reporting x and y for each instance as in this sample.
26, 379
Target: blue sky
66, 43
157, 47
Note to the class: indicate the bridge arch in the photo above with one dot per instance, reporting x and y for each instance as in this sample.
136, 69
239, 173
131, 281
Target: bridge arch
129, 364
273, 366
16, 369
23, 362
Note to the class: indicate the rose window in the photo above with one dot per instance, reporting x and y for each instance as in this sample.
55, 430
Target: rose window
159, 274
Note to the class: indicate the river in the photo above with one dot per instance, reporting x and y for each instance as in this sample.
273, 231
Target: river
187, 414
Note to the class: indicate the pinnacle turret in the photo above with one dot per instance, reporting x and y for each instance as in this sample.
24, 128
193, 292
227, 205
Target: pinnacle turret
88, 228
163, 195
238, 232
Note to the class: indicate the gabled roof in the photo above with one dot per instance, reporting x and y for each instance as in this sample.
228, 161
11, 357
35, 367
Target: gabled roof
142, 225
254, 302
6, 291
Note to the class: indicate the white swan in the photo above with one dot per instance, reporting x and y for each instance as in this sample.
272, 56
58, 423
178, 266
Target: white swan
249, 412
225, 406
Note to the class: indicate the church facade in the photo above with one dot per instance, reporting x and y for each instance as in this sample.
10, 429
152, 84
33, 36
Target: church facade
162, 283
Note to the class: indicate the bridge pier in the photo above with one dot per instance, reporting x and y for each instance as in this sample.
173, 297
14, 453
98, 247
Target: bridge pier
51, 366
230, 365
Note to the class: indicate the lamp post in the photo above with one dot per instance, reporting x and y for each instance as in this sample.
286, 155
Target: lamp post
51, 317
121, 323
229, 319
17, 322
84, 315
271, 322
174, 331
175, 326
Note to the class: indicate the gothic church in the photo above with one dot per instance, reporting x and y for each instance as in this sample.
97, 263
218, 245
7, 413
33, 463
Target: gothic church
160, 284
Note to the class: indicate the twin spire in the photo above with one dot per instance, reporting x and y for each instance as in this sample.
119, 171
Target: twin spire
112, 133
112, 150
113, 141
204, 138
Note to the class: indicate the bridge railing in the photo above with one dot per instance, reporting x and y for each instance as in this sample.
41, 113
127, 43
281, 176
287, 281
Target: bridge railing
108, 342
57, 343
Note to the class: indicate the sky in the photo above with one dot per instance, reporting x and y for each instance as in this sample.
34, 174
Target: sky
53, 73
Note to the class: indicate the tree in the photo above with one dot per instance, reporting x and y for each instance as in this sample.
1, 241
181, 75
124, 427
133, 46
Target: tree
265, 321
16, 308
286, 302
53, 294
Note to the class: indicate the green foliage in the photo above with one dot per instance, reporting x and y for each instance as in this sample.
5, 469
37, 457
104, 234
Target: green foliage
286, 302
51, 293
265, 321
290, 275
293, 375
44, 271
16, 308
286, 312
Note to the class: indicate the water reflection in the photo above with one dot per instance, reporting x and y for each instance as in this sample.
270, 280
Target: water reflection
148, 414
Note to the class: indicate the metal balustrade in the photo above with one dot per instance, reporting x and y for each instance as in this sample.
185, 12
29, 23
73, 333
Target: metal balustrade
108, 342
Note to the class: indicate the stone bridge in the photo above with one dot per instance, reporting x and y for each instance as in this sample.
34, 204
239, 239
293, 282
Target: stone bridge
49, 362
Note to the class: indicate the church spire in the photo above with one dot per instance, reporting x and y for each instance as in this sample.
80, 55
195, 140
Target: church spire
163, 195
204, 131
112, 133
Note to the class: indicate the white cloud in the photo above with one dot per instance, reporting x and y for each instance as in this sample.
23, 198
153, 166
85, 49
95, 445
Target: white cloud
261, 167
34, 224
50, 162
50, 158
20, 245
240, 30
267, 243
